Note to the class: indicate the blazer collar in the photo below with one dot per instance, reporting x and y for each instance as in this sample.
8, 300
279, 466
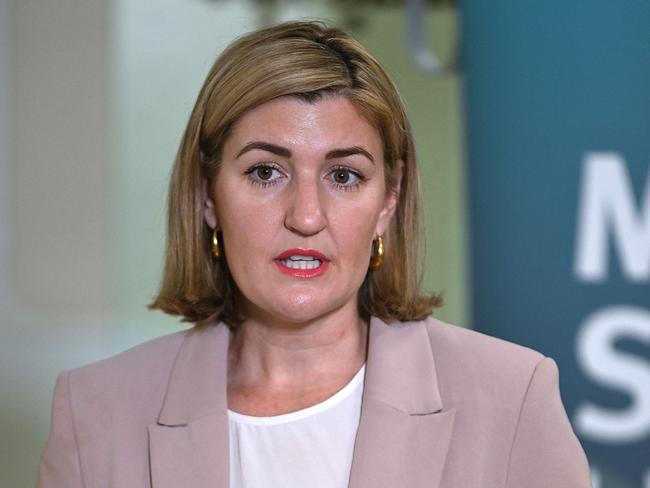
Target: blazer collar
400, 372
197, 385
400, 369
404, 430
188, 447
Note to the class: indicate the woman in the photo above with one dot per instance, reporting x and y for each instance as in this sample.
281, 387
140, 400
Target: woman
293, 239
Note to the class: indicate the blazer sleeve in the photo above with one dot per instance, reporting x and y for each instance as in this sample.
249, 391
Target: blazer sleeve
60, 466
545, 451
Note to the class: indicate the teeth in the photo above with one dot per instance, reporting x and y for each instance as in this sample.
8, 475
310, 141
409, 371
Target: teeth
312, 264
298, 257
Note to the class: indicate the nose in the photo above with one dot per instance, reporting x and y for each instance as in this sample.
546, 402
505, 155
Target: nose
305, 213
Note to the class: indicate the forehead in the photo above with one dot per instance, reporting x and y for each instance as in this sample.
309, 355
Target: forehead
333, 121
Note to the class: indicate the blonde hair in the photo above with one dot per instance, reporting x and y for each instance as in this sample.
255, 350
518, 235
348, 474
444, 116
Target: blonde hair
308, 60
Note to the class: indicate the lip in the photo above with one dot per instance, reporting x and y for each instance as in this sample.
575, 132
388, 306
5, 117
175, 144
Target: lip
302, 273
303, 252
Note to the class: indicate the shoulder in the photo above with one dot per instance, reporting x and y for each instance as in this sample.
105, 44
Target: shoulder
139, 373
476, 366
472, 347
145, 360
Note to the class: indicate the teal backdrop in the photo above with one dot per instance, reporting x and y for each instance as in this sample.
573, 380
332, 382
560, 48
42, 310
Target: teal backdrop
557, 99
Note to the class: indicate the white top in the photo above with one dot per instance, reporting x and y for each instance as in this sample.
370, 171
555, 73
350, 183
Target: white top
307, 448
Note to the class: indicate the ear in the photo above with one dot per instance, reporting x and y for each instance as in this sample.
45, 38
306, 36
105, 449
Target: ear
390, 202
209, 211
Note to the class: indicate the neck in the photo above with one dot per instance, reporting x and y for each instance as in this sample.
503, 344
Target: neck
281, 354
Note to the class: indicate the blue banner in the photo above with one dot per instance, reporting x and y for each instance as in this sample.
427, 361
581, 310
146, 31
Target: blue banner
558, 120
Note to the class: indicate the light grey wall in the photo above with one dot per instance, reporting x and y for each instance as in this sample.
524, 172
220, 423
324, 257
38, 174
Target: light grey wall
54, 211
60, 156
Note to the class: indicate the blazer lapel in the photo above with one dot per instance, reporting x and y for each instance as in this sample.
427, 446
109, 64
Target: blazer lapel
188, 447
404, 431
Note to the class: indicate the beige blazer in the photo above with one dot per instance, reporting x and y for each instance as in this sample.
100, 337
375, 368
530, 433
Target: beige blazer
443, 407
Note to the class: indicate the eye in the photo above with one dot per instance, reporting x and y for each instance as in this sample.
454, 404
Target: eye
346, 179
341, 176
264, 174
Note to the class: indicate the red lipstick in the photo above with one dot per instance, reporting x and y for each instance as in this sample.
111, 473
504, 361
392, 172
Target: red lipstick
302, 268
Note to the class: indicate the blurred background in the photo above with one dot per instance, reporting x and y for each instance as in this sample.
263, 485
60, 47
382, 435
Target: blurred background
532, 124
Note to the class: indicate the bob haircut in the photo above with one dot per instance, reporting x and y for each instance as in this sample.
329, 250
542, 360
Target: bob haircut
308, 60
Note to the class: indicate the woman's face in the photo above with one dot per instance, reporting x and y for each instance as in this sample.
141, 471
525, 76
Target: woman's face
299, 197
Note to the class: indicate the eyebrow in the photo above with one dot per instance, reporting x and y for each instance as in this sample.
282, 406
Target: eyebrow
286, 153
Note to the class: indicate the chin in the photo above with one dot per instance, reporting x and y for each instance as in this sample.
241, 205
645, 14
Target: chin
299, 313
304, 309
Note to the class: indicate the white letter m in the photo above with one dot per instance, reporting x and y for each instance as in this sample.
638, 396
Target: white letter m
607, 202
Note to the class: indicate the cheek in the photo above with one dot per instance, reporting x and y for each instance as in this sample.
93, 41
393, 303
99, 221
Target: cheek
231, 210
245, 225
354, 228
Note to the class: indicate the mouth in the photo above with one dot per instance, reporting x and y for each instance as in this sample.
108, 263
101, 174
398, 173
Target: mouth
302, 263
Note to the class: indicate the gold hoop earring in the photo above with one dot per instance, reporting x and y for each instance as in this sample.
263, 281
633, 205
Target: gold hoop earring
216, 247
377, 256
